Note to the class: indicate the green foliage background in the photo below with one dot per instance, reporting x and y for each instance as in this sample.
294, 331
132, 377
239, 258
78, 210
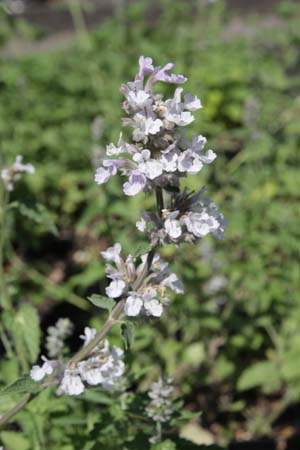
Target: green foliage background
229, 348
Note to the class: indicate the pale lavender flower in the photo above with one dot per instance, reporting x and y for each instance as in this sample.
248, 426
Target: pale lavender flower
145, 67
159, 155
135, 184
151, 296
162, 74
71, 384
115, 289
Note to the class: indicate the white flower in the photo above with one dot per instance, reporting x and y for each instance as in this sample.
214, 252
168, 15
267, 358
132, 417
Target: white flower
153, 169
37, 373
111, 149
12, 173
112, 253
141, 225
173, 228
138, 99
209, 157
200, 224
153, 307
191, 103
71, 384
169, 161
152, 126
102, 175
18, 166
104, 367
142, 156
135, 184
173, 283
182, 119
90, 371
145, 126
133, 306
115, 289
88, 336
198, 143
189, 162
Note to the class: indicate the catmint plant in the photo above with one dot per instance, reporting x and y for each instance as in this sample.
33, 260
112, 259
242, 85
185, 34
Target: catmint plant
153, 161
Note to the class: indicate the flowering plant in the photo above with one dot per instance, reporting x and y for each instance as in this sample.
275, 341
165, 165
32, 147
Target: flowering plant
157, 158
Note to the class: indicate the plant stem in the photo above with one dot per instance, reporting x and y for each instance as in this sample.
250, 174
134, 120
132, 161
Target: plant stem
87, 349
13, 411
159, 200
4, 300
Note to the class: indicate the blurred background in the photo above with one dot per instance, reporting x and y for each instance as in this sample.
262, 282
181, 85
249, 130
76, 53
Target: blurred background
232, 342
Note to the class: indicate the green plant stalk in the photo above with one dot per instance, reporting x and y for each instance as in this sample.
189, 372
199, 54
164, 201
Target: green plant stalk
4, 298
111, 321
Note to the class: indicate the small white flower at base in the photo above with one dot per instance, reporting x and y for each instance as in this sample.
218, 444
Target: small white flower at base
153, 308
71, 384
37, 373
115, 289
133, 306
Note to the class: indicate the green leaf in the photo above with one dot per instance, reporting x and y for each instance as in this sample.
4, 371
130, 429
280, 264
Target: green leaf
14, 441
28, 327
258, 375
165, 445
40, 215
142, 249
102, 302
24, 385
127, 334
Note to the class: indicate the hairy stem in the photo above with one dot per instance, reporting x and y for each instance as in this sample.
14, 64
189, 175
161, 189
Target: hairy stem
87, 349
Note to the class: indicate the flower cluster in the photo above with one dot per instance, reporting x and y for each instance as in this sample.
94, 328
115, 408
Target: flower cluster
150, 295
103, 367
160, 407
189, 218
57, 335
160, 154
11, 174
